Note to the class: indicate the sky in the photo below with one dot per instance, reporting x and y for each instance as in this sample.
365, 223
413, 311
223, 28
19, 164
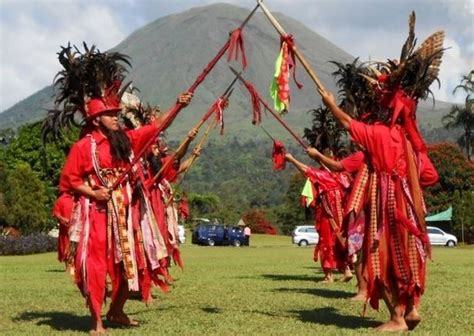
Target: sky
31, 32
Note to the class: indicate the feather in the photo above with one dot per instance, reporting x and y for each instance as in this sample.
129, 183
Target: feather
409, 45
84, 75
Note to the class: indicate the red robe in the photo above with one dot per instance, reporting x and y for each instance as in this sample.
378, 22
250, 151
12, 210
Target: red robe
329, 214
62, 210
102, 247
161, 198
394, 242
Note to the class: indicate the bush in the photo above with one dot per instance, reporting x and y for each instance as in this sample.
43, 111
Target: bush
30, 244
258, 223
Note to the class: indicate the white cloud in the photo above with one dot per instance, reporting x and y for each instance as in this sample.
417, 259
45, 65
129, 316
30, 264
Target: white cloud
31, 39
453, 67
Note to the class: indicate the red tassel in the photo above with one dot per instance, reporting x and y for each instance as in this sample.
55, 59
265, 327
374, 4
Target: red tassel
256, 110
220, 113
177, 258
278, 155
183, 207
236, 46
288, 38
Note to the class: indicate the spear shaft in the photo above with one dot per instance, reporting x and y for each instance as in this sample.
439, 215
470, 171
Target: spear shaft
172, 112
298, 54
206, 116
193, 158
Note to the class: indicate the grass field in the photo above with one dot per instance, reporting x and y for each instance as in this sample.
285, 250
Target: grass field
269, 288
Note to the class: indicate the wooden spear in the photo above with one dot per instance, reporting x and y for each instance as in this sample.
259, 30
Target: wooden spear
194, 156
165, 166
298, 54
173, 111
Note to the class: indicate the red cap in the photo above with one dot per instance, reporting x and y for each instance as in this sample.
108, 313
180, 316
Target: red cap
97, 106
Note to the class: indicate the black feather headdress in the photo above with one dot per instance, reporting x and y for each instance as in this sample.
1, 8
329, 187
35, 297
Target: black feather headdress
85, 76
326, 133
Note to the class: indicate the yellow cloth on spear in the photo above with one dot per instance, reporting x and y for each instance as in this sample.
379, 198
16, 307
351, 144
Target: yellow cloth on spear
280, 88
308, 194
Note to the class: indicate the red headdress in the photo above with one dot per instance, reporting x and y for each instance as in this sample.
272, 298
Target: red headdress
398, 85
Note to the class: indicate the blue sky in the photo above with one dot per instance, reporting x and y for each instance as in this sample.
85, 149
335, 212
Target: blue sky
31, 32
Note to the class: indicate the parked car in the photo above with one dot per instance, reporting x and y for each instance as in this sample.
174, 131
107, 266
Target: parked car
439, 237
218, 234
305, 235
181, 234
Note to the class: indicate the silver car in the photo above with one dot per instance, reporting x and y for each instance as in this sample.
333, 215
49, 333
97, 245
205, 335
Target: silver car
305, 235
439, 237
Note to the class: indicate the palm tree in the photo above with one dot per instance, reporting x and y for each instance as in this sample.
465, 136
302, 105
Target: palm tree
463, 116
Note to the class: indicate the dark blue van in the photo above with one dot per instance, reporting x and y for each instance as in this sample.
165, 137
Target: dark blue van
218, 234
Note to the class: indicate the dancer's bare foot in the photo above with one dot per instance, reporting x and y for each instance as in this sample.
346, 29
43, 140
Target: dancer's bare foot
122, 319
412, 319
327, 279
361, 296
97, 327
393, 325
346, 277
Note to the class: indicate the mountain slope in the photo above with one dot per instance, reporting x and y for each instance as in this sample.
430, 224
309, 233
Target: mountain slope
169, 53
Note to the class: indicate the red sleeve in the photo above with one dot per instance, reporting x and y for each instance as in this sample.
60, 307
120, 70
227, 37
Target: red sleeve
361, 133
352, 163
74, 169
321, 177
63, 206
428, 173
171, 172
140, 136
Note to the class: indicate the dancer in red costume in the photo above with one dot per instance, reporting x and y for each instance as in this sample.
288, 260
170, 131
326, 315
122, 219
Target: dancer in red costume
351, 164
109, 234
161, 191
396, 245
328, 192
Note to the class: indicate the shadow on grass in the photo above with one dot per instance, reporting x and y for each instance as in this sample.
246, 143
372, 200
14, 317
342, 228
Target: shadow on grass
326, 293
57, 320
289, 277
212, 310
330, 316
62, 321
55, 271
327, 316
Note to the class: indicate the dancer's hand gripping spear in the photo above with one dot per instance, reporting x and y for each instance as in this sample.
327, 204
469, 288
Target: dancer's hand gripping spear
218, 105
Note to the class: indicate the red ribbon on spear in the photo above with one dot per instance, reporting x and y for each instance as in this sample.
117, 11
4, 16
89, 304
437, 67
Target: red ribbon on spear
234, 42
292, 46
217, 109
257, 100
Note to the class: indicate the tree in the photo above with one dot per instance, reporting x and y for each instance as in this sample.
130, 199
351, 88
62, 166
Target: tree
291, 213
258, 223
25, 200
463, 116
463, 212
455, 174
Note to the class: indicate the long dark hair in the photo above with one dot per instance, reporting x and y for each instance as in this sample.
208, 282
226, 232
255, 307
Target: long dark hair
120, 145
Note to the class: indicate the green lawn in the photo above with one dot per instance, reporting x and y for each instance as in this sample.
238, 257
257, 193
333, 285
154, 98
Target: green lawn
268, 289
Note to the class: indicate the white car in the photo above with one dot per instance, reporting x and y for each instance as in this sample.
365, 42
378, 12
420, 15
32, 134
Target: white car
439, 237
181, 234
305, 235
